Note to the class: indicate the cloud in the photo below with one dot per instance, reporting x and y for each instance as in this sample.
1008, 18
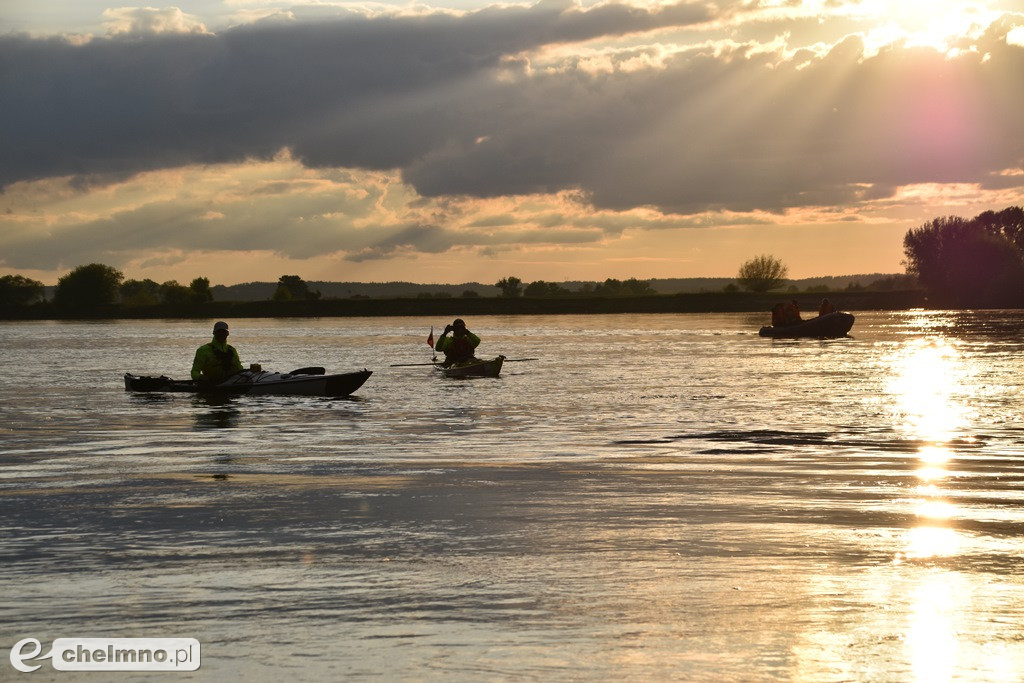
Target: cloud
642, 116
452, 102
150, 21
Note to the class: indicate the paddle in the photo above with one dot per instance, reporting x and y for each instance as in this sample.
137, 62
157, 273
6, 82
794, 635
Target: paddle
308, 371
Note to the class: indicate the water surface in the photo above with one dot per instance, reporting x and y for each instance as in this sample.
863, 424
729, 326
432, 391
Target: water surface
658, 496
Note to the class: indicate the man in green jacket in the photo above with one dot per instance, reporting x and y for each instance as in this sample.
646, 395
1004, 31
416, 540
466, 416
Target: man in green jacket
218, 360
460, 346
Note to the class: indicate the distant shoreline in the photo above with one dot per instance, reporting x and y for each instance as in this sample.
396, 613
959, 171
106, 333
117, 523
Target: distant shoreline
702, 302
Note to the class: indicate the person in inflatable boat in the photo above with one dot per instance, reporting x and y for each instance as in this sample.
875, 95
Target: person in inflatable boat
786, 314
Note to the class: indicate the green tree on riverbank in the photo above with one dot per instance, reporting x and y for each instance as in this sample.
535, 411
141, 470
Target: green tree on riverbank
510, 287
762, 274
140, 293
294, 288
201, 292
541, 288
976, 262
87, 288
18, 290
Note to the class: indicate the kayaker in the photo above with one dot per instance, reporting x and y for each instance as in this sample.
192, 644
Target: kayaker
218, 360
460, 346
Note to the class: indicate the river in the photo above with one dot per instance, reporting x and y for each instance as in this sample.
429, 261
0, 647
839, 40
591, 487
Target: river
655, 497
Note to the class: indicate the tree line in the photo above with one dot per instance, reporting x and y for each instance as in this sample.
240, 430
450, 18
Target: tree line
96, 286
968, 263
959, 262
512, 287
977, 262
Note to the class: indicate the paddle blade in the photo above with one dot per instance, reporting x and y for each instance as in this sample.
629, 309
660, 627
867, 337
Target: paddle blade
430, 337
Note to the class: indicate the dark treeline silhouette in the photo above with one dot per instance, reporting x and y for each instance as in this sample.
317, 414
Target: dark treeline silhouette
294, 288
962, 263
97, 288
610, 287
18, 290
975, 263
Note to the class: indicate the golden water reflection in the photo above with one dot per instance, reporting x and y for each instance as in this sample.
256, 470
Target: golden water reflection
929, 380
927, 377
931, 637
932, 541
935, 455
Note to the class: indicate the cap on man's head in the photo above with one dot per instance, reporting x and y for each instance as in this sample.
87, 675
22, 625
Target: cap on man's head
459, 322
220, 326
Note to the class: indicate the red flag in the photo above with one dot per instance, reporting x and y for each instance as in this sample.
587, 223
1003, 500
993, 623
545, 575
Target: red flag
430, 337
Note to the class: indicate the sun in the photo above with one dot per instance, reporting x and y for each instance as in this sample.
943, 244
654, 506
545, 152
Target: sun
939, 24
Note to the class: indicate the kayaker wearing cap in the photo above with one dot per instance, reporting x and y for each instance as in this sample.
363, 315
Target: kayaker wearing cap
460, 346
217, 360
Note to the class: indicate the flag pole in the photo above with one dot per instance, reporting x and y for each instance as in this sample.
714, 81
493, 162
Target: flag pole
430, 343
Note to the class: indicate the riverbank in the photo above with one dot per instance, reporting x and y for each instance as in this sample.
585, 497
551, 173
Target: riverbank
702, 302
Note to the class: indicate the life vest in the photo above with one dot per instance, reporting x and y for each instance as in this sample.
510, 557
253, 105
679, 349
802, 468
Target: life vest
459, 349
218, 365
225, 358
778, 315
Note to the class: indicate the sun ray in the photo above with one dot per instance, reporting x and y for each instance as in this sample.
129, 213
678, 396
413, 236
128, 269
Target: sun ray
938, 24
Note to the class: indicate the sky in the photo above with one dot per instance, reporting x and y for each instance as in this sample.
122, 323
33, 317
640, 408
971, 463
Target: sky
452, 141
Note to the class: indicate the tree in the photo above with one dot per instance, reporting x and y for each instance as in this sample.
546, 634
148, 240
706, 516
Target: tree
18, 290
544, 289
136, 293
294, 288
610, 287
510, 287
631, 287
201, 293
88, 287
634, 287
894, 282
976, 262
927, 248
174, 294
762, 273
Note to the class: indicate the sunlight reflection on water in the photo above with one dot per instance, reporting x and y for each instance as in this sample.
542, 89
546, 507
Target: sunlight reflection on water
935, 385
929, 376
931, 638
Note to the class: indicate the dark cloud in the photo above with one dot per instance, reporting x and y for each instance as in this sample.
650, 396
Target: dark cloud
430, 239
455, 103
347, 92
